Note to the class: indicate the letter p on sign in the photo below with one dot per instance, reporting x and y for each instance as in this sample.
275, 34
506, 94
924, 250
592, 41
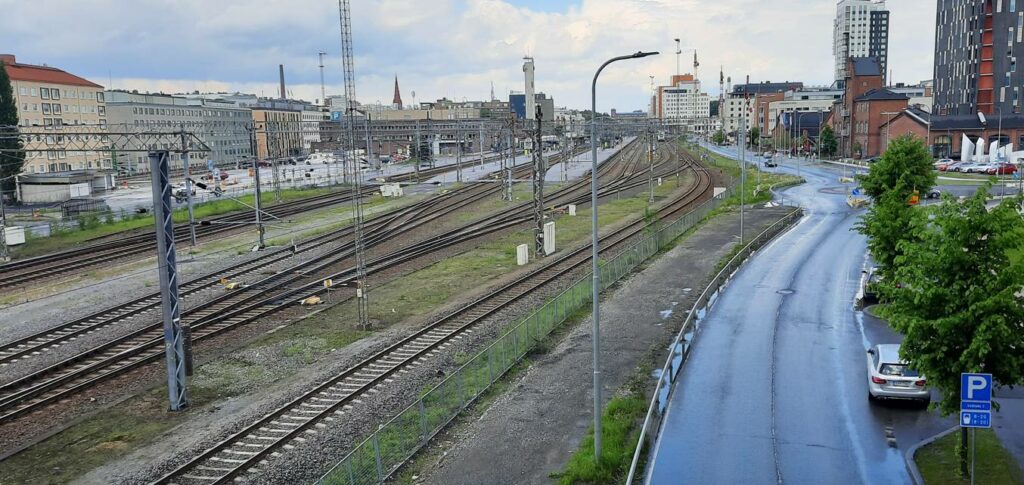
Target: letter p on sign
976, 387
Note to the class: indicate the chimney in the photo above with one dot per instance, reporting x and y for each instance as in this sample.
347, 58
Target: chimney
7, 58
280, 68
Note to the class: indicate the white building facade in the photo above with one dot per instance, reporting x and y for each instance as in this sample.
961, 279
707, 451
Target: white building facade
861, 29
684, 104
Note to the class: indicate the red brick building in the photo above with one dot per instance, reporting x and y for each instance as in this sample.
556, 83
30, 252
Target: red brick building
871, 112
863, 74
947, 132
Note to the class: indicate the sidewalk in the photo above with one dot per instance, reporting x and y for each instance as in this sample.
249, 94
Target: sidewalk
532, 430
1008, 422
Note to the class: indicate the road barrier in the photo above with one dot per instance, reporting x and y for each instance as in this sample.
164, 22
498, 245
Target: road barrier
680, 347
388, 448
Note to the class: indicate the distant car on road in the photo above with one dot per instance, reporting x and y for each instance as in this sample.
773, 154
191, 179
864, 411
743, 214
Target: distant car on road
770, 162
934, 194
1002, 169
889, 377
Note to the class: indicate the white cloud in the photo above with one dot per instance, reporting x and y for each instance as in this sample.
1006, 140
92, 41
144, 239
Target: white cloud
452, 48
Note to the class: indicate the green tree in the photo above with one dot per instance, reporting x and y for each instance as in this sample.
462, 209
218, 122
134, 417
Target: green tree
718, 138
960, 301
829, 145
755, 137
906, 160
10, 162
887, 225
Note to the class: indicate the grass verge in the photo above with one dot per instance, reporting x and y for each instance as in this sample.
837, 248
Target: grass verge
939, 464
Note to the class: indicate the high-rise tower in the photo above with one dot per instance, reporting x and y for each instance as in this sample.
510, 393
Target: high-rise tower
861, 30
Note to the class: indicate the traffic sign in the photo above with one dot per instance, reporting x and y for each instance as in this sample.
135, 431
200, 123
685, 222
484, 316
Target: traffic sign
975, 406
975, 387
975, 419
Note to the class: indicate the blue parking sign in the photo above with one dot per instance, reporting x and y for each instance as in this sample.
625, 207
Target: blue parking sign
975, 419
975, 387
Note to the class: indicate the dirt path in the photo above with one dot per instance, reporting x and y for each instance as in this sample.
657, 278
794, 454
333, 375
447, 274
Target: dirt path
532, 430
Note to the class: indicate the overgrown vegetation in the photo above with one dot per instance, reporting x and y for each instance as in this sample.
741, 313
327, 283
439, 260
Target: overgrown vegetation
620, 431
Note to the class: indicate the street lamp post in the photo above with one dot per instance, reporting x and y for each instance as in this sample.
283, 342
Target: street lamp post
596, 339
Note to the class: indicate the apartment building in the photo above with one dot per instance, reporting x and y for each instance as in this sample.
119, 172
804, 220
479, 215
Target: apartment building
977, 45
53, 102
861, 30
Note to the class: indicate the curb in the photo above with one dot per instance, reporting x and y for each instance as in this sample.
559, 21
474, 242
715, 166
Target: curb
908, 457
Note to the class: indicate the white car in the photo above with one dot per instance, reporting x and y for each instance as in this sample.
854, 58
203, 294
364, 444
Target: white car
889, 377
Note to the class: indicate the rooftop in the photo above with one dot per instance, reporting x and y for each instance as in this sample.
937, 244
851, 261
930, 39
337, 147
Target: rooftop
765, 87
866, 66
42, 74
882, 95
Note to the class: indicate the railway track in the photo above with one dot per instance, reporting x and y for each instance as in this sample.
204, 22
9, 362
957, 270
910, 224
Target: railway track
409, 217
30, 270
249, 447
270, 294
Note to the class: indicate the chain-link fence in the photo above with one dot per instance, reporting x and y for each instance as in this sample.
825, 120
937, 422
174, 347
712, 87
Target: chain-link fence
376, 458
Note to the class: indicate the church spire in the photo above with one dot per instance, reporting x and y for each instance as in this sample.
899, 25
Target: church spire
397, 101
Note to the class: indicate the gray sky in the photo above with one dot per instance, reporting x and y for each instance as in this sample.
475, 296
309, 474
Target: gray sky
452, 48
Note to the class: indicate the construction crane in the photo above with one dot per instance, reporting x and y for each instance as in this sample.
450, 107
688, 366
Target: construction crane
348, 66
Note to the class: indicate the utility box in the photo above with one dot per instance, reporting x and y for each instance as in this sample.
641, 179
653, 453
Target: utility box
14, 235
549, 238
522, 254
391, 190
572, 209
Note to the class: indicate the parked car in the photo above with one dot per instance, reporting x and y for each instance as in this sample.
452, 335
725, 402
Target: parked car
889, 377
979, 167
1002, 169
770, 162
945, 164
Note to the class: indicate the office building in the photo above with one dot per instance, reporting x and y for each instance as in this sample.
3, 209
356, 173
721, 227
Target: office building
221, 125
861, 30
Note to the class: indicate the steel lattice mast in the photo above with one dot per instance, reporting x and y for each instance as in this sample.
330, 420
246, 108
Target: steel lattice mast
348, 66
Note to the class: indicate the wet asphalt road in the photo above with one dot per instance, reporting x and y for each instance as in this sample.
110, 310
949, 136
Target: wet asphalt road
775, 390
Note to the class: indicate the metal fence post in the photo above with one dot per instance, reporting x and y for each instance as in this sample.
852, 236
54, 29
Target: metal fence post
376, 455
423, 421
490, 364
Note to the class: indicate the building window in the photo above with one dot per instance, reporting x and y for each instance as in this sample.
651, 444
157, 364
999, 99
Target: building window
102, 110
46, 108
99, 96
55, 93
44, 93
23, 91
